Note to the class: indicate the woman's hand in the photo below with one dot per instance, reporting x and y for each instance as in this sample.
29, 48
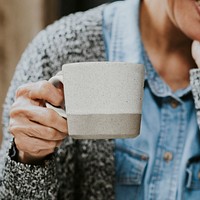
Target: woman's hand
37, 130
196, 52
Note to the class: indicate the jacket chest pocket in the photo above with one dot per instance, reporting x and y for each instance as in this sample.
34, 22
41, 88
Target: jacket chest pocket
130, 171
130, 166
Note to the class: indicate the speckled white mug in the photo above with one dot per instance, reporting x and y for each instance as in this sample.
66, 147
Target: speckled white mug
103, 100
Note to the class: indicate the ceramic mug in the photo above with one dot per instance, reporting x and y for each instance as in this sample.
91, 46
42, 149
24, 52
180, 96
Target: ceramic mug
103, 100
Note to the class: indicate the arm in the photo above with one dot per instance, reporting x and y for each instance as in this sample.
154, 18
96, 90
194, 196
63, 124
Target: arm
74, 38
43, 58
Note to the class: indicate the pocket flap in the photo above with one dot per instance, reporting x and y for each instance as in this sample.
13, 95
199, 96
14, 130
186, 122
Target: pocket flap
130, 166
193, 174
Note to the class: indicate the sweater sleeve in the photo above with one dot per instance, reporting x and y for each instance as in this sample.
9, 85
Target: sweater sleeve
74, 38
42, 58
195, 84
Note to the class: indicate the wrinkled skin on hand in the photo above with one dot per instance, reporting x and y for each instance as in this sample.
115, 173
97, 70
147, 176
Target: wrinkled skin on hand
37, 130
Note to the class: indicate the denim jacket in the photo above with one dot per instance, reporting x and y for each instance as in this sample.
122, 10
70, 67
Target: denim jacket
163, 162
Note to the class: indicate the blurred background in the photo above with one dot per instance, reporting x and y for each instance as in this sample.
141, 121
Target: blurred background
20, 21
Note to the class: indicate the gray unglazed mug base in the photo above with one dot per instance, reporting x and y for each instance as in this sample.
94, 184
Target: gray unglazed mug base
119, 126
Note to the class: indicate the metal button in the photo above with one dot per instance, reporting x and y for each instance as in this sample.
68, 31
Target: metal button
174, 103
144, 157
168, 156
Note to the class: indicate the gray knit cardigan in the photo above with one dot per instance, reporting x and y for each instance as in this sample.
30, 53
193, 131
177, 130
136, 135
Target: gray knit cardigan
79, 169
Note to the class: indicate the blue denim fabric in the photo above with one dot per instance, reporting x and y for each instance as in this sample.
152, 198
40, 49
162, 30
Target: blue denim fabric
163, 162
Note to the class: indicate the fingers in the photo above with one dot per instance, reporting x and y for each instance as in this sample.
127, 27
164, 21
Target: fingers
196, 52
34, 130
44, 116
41, 90
37, 130
34, 141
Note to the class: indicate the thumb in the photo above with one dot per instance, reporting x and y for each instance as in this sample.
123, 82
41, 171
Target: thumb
196, 52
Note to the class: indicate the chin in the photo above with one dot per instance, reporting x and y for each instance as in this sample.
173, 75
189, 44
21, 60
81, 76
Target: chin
193, 35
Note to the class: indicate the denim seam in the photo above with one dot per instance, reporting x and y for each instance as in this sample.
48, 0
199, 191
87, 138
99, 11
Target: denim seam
156, 175
179, 151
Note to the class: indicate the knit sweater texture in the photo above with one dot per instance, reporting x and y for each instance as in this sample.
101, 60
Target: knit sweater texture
79, 169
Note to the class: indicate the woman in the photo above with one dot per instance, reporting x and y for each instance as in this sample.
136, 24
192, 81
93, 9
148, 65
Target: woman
163, 162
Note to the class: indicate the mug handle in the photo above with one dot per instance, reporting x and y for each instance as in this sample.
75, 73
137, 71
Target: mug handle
55, 80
